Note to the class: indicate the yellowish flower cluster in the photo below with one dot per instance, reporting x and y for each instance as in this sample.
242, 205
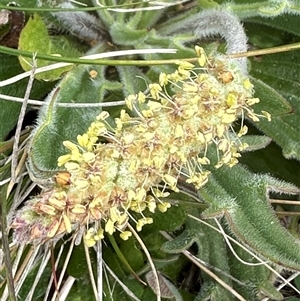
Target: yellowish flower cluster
176, 121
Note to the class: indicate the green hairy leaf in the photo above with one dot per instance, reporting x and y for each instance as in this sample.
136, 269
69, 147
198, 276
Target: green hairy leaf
35, 38
254, 280
286, 22
57, 124
285, 129
244, 205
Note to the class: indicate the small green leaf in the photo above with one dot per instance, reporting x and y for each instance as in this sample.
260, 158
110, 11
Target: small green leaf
123, 34
132, 80
275, 8
149, 18
176, 23
281, 72
34, 37
270, 100
181, 242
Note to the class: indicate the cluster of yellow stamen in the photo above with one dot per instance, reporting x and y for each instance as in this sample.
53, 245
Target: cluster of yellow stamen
130, 163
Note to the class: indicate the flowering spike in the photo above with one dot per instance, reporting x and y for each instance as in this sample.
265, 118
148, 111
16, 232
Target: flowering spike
168, 139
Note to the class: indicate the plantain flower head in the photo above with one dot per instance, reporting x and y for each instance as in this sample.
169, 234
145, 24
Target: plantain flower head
129, 164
